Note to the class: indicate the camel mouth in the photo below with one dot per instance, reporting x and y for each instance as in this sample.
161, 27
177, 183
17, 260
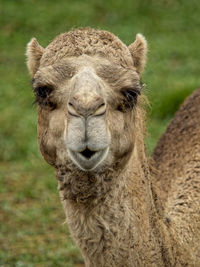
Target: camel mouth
87, 159
87, 153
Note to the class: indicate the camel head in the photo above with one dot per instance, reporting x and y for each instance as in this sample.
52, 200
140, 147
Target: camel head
86, 84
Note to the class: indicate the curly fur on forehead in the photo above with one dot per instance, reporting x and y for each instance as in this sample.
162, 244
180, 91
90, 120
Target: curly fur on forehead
87, 41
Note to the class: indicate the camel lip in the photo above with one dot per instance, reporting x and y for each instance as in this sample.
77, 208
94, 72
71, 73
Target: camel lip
88, 160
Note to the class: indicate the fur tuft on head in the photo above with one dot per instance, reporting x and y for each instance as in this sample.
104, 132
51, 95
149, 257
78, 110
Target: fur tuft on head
138, 51
34, 52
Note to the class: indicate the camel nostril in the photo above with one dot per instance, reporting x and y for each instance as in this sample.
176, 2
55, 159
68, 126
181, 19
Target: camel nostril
87, 153
86, 106
101, 110
71, 110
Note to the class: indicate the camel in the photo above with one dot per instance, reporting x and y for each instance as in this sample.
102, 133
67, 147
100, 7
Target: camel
122, 208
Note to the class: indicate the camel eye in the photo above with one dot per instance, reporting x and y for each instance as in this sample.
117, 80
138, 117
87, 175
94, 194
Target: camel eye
42, 95
130, 96
42, 91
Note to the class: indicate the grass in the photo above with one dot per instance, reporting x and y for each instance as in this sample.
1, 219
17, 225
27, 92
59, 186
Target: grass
32, 232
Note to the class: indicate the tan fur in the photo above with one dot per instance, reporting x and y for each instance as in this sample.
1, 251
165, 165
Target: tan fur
112, 208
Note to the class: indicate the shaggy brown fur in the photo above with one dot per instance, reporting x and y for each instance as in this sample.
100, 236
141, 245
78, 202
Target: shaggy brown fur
111, 208
177, 159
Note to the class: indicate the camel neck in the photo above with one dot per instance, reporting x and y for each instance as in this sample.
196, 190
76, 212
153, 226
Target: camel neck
119, 228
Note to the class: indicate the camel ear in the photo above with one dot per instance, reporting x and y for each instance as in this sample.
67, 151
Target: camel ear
34, 52
138, 51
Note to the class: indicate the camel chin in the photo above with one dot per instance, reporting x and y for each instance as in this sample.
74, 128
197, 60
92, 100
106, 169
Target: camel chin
87, 159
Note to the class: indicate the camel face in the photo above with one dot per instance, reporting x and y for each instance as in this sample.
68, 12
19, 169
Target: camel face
87, 98
88, 120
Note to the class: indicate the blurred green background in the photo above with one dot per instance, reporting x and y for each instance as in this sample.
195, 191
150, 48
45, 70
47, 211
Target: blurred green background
32, 232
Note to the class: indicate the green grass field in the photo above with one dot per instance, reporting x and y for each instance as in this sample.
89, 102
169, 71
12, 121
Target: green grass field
32, 229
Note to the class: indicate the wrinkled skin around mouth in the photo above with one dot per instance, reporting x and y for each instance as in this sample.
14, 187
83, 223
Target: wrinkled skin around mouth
87, 141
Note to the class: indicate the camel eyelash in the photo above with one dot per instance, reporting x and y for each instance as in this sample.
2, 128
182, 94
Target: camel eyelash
42, 94
42, 91
130, 96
